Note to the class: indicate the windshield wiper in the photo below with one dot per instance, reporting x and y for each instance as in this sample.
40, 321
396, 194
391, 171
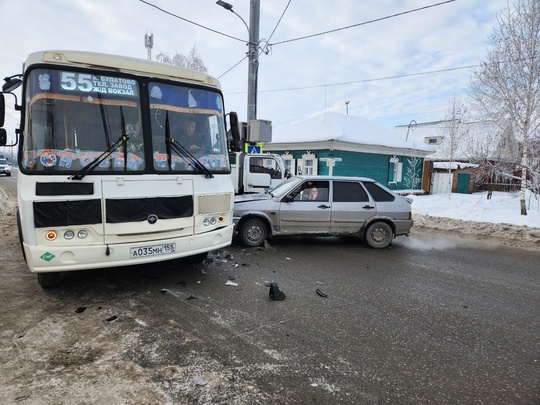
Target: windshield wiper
95, 163
181, 150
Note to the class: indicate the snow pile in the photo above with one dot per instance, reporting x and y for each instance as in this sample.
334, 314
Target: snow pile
501, 208
6, 206
498, 218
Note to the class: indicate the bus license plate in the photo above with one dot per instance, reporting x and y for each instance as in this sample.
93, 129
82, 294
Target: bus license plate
153, 250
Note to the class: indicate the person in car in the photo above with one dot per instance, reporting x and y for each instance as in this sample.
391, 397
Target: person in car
313, 193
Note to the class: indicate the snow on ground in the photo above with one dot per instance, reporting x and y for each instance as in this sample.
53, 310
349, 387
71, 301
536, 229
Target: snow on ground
474, 215
501, 208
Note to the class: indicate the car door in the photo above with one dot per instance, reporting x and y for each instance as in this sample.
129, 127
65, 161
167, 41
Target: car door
351, 207
303, 215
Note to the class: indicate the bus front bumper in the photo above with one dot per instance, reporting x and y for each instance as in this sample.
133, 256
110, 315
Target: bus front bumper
57, 259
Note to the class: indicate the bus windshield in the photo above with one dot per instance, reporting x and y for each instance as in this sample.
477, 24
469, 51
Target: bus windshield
191, 117
75, 117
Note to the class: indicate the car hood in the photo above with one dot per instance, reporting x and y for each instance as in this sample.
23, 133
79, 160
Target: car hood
251, 197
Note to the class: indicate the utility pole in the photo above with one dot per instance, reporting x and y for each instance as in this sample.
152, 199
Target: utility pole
149, 44
253, 56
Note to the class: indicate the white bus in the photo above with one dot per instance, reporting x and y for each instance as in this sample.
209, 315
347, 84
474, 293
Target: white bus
105, 177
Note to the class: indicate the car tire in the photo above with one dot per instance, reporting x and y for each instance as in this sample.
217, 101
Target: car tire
8, 174
49, 280
379, 235
253, 232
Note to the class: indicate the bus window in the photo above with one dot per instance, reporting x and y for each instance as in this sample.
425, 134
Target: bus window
73, 118
195, 123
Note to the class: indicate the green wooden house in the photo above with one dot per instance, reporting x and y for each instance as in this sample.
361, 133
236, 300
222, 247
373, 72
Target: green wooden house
346, 145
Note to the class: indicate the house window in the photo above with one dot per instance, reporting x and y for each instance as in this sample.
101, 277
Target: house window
308, 165
397, 172
289, 161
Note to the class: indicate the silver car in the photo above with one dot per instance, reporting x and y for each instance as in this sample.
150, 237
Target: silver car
323, 205
5, 167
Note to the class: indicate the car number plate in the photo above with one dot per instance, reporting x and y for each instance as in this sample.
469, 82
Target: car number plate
154, 250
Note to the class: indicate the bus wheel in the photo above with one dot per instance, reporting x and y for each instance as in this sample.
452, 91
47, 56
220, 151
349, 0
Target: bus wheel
253, 232
48, 280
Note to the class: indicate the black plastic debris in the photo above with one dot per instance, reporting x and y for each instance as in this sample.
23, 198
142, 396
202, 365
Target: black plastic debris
275, 293
112, 318
163, 290
320, 293
80, 310
191, 297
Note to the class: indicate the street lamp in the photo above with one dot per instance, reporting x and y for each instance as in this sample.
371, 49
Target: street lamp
228, 6
253, 56
412, 125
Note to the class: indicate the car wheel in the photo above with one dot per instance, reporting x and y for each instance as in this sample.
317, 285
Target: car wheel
253, 232
8, 174
49, 280
379, 235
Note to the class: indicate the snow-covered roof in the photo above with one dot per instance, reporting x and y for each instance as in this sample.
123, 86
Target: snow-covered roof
339, 127
454, 165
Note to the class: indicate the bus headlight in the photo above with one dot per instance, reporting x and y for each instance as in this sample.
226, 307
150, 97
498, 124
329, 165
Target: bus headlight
68, 235
82, 234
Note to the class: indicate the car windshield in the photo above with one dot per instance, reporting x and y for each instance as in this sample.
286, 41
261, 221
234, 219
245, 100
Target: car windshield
3, 162
281, 189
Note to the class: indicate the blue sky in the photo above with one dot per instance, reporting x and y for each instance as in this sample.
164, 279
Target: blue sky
296, 79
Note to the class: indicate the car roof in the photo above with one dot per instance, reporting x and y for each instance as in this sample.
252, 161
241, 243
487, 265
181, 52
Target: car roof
345, 178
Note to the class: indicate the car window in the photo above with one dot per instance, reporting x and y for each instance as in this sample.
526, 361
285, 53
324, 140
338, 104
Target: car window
345, 191
377, 193
312, 191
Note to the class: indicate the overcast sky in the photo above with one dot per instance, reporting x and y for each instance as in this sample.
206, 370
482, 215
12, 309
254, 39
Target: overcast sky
296, 78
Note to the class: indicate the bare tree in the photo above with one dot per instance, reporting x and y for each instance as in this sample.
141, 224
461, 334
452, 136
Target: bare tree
506, 86
192, 60
454, 131
413, 174
494, 150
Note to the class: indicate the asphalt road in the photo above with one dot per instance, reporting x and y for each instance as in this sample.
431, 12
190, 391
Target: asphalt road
431, 320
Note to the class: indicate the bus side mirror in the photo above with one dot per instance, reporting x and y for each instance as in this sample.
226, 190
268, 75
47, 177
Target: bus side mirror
235, 132
3, 137
2, 109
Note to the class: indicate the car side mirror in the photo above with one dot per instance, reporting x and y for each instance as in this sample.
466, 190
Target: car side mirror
288, 198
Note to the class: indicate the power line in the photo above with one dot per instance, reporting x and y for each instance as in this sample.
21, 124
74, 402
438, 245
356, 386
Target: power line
191, 22
362, 23
235, 65
277, 24
262, 50
366, 80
